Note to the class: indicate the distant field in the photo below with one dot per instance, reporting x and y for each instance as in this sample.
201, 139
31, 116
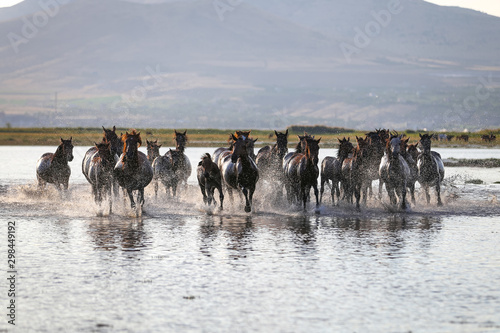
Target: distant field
208, 137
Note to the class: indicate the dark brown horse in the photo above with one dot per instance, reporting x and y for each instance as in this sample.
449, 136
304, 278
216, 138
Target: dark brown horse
301, 173
355, 176
153, 149
331, 169
99, 172
170, 170
292, 194
209, 179
408, 153
488, 138
239, 170
185, 169
115, 140
394, 171
270, 159
53, 168
430, 168
133, 171
463, 137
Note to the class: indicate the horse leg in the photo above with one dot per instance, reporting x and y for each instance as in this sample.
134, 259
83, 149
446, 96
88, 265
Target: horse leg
131, 197
248, 207
412, 192
156, 187
110, 197
392, 194
322, 188
303, 193
203, 189
427, 196
402, 196
315, 188
221, 196
140, 197
357, 194
438, 193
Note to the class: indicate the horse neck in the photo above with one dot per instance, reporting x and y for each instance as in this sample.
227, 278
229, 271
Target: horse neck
180, 147
59, 157
134, 160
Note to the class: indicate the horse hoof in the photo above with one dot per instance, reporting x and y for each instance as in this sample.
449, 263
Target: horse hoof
248, 209
440, 204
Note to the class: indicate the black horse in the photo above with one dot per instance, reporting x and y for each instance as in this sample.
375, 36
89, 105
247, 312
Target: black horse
301, 173
53, 168
170, 170
133, 171
209, 179
269, 159
430, 169
153, 149
331, 169
98, 169
239, 170
394, 171
355, 175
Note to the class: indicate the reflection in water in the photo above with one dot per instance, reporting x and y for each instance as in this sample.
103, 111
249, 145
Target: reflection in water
112, 233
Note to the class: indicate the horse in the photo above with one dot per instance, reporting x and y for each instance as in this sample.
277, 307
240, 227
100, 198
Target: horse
354, 171
430, 168
463, 137
488, 138
410, 153
292, 194
250, 146
394, 171
116, 149
153, 149
170, 170
269, 158
302, 172
209, 179
97, 166
331, 169
185, 170
375, 152
133, 171
239, 171
53, 168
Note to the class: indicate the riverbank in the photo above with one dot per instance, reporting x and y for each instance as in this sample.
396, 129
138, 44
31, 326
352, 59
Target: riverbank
207, 137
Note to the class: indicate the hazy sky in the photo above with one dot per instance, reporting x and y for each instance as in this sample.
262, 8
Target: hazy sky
488, 6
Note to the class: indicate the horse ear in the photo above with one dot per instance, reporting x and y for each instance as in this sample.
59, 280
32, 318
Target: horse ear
420, 135
114, 128
233, 137
184, 132
175, 132
275, 132
286, 132
255, 140
319, 140
70, 139
103, 129
156, 141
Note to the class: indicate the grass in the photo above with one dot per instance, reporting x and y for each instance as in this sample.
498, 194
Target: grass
86, 136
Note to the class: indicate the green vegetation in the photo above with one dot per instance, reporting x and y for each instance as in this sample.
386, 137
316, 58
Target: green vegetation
218, 137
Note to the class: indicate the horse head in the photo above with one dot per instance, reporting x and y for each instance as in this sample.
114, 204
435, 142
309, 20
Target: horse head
361, 149
281, 143
413, 151
345, 148
176, 159
131, 142
425, 142
180, 140
239, 148
105, 153
312, 149
153, 149
393, 146
206, 164
66, 148
110, 136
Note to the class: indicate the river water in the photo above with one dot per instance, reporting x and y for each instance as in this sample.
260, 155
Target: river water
184, 268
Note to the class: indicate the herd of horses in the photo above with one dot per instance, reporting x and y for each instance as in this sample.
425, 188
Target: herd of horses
381, 155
